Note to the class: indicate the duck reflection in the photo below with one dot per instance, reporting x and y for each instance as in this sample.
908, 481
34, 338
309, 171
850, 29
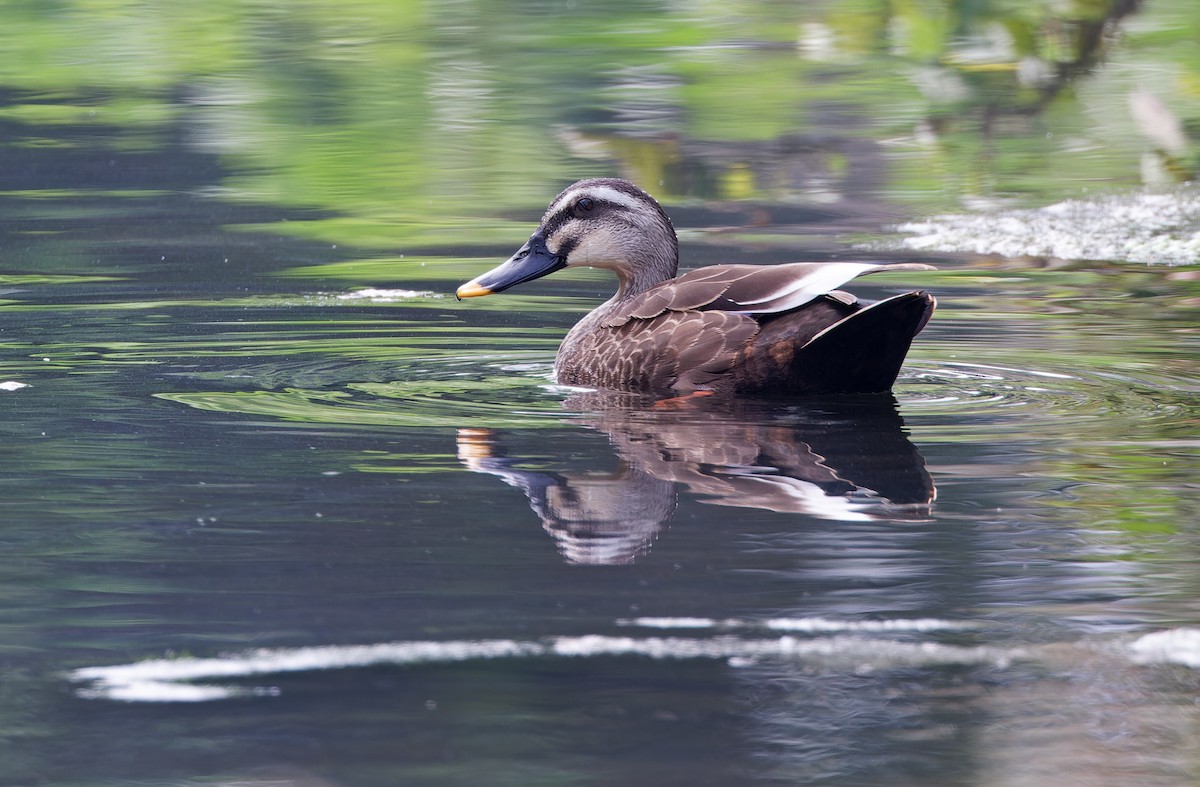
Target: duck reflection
848, 459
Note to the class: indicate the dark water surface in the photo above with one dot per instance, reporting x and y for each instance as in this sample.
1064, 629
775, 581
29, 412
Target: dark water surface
278, 510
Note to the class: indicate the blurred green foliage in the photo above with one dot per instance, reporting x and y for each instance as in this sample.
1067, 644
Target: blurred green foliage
406, 118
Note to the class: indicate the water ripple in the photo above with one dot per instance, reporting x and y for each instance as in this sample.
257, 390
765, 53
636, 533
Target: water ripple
993, 389
437, 392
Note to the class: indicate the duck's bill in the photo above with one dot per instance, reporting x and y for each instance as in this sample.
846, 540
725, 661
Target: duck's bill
532, 261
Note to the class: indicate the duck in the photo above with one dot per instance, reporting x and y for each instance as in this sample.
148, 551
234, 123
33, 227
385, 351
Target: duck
728, 329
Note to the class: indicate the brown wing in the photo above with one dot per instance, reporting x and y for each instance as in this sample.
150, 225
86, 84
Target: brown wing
766, 289
699, 289
674, 352
748, 289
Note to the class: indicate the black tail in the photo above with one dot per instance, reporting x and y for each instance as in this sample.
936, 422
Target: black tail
863, 352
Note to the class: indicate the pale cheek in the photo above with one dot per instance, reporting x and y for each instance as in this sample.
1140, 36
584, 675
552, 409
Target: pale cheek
596, 250
555, 242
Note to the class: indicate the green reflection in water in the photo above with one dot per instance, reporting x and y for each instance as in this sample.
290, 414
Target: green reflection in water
46, 278
441, 130
423, 123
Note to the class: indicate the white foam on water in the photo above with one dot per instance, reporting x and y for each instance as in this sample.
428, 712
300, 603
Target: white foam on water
1173, 646
12, 385
1135, 227
375, 294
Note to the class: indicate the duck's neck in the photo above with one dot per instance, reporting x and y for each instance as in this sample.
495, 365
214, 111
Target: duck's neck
656, 263
631, 281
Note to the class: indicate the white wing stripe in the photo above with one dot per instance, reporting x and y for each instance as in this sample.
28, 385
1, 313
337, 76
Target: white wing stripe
812, 284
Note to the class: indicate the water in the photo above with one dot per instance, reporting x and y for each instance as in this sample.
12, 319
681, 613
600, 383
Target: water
278, 509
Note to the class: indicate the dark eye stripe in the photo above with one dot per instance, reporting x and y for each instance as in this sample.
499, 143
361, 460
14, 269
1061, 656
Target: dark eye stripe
567, 212
562, 216
551, 225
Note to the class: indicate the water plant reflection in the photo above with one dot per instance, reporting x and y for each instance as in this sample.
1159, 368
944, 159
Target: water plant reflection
844, 459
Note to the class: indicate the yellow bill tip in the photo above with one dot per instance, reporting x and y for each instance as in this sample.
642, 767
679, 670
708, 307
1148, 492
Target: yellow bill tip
471, 290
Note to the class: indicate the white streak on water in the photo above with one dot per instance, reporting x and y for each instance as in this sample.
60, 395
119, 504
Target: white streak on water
823, 625
12, 385
378, 295
168, 680
808, 625
1033, 372
676, 623
188, 679
172, 680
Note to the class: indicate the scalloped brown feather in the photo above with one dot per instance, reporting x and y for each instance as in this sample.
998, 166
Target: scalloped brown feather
671, 351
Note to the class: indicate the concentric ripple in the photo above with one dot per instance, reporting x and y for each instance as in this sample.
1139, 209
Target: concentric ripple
449, 392
995, 390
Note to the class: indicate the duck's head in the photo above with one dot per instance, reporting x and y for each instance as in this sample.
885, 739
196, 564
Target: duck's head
598, 223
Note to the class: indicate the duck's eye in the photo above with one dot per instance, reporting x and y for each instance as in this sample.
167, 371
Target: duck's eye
585, 205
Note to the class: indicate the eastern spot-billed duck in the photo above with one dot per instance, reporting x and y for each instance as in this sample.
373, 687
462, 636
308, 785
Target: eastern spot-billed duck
726, 329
